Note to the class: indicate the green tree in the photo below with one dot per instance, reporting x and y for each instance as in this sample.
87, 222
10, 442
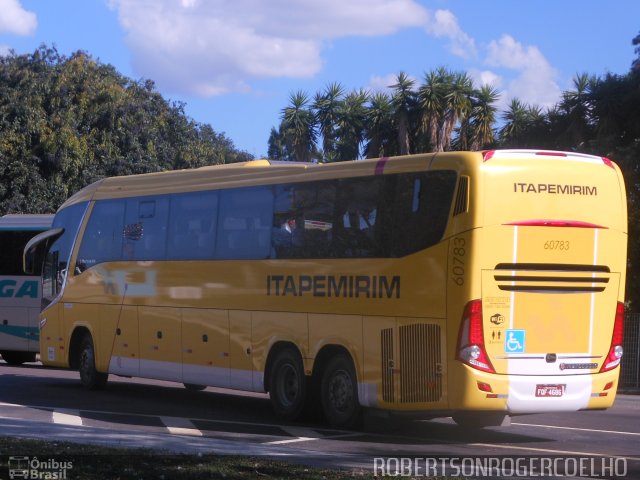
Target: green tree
298, 127
327, 107
352, 118
483, 117
403, 102
516, 122
68, 121
431, 100
379, 131
457, 107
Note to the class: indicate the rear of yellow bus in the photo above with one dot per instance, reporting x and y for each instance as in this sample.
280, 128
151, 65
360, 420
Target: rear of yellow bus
543, 331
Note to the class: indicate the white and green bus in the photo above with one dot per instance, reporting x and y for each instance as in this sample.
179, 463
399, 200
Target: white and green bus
20, 294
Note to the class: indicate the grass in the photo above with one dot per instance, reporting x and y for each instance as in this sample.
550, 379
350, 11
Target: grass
106, 463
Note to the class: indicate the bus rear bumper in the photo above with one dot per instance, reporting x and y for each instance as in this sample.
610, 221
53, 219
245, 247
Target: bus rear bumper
560, 393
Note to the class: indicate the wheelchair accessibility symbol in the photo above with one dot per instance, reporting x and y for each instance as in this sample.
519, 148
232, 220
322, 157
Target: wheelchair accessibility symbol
514, 341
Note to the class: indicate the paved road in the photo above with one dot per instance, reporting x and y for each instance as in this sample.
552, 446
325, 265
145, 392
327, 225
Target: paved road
37, 402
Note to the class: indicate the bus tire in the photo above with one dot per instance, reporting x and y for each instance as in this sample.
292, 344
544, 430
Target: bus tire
339, 393
194, 387
287, 385
90, 378
477, 420
18, 358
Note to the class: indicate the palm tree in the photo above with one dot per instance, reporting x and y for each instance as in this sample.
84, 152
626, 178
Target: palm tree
351, 125
483, 117
577, 105
456, 108
326, 106
516, 123
403, 102
430, 104
379, 126
298, 126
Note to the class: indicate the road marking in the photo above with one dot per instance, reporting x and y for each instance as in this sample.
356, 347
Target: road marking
294, 440
574, 428
180, 426
67, 417
556, 452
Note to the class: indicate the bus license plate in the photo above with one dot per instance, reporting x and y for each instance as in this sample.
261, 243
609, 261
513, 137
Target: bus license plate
550, 390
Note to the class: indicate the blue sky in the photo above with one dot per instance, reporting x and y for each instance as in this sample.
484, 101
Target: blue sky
235, 62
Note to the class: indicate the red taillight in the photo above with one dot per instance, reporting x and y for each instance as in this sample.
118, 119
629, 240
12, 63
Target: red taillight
471, 348
608, 162
488, 154
615, 351
551, 153
555, 223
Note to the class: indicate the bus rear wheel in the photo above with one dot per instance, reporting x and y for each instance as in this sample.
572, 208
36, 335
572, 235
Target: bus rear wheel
339, 393
287, 385
90, 378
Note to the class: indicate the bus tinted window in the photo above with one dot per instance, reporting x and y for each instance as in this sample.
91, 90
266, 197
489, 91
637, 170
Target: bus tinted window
244, 223
56, 263
13, 243
421, 210
102, 240
144, 235
303, 220
365, 217
361, 217
192, 223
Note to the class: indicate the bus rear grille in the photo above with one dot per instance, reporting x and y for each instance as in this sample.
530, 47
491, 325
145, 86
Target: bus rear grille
420, 363
551, 277
386, 348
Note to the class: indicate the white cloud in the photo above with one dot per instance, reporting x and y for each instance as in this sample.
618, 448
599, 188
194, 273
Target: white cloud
5, 50
535, 82
15, 20
383, 83
486, 77
443, 23
213, 47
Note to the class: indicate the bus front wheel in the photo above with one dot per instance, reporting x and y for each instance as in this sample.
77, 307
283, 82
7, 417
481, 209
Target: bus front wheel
90, 378
287, 385
339, 393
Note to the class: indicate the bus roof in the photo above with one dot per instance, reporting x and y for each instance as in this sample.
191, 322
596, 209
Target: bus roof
256, 172
26, 221
265, 172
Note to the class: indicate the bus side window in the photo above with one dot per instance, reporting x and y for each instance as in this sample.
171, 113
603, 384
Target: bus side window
303, 220
102, 239
192, 226
244, 223
145, 228
56, 262
421, 210
357, 232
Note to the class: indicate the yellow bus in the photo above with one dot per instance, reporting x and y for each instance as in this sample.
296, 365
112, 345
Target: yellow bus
439, 284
